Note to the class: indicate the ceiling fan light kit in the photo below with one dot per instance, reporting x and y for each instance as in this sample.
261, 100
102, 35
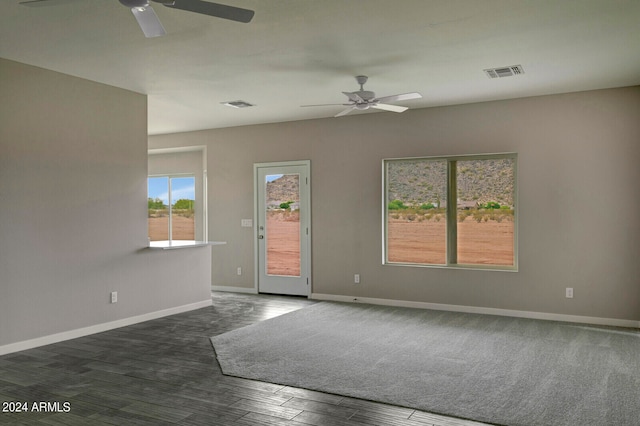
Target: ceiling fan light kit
364, 99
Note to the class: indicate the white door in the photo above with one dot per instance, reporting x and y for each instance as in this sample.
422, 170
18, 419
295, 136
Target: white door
283, 249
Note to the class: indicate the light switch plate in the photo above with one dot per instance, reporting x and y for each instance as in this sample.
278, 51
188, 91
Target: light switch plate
246, 223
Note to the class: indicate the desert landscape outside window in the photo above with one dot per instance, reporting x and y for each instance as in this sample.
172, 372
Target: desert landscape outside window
457, 211
283, 224
171, 211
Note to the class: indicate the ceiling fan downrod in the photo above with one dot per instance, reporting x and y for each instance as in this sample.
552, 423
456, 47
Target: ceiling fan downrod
361, 79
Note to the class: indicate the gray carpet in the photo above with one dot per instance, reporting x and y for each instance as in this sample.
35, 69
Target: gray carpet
500, 370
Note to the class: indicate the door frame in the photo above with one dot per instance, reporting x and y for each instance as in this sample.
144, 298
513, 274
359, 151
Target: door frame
256, 214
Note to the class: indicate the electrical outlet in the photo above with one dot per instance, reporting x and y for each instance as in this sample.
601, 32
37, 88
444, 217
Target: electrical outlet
114, 297
569, 293
239, 271
356, 278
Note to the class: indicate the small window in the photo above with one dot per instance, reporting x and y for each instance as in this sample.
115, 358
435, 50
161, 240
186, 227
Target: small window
171, 205
451, 211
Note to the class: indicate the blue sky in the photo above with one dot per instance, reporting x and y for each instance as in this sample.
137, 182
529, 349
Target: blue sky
271, 178
158, 187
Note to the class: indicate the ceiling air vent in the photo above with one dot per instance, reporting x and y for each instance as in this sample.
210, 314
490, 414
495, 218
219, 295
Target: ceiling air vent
504, 71
237, 104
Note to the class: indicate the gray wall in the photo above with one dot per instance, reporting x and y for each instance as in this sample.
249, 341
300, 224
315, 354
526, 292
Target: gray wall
73, 220
578, 173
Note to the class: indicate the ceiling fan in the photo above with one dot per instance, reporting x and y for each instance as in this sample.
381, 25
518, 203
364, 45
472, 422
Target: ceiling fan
364, 99
148, 20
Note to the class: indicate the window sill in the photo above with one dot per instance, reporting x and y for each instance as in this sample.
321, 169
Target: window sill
180, 244
495, 268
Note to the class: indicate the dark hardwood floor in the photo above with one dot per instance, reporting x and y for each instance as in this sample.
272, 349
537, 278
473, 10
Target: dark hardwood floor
164, 372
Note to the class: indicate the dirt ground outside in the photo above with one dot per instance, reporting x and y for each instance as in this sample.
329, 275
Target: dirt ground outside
416, 242
484, 243
283, 243
183, 228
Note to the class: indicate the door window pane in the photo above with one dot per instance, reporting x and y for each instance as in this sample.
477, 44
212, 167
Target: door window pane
283, 224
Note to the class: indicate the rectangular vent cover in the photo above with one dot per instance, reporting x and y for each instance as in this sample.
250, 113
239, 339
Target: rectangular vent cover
237, 104
504, 71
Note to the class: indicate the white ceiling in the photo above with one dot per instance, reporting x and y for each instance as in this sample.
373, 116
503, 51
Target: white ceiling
298, 52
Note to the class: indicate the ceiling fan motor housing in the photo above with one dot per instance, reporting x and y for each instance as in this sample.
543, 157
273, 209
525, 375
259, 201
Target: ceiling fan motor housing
366, 95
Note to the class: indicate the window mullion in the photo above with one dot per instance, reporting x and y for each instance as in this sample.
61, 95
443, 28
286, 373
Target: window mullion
170, 212
452, 208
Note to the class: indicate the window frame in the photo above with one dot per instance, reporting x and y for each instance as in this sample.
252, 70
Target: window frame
169, 206
170, 177
451, 212
180, 162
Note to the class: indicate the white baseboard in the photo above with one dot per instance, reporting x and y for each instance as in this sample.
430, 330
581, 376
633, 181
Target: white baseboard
98, 328
480, 310
234, 289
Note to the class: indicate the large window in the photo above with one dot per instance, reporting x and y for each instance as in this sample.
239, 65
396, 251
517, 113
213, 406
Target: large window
451, 211
171, 208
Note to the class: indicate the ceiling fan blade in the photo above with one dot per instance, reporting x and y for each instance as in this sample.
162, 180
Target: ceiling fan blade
394, 108
214, 9
317, 105
344, 112
403, 97
148, 21
42, 3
